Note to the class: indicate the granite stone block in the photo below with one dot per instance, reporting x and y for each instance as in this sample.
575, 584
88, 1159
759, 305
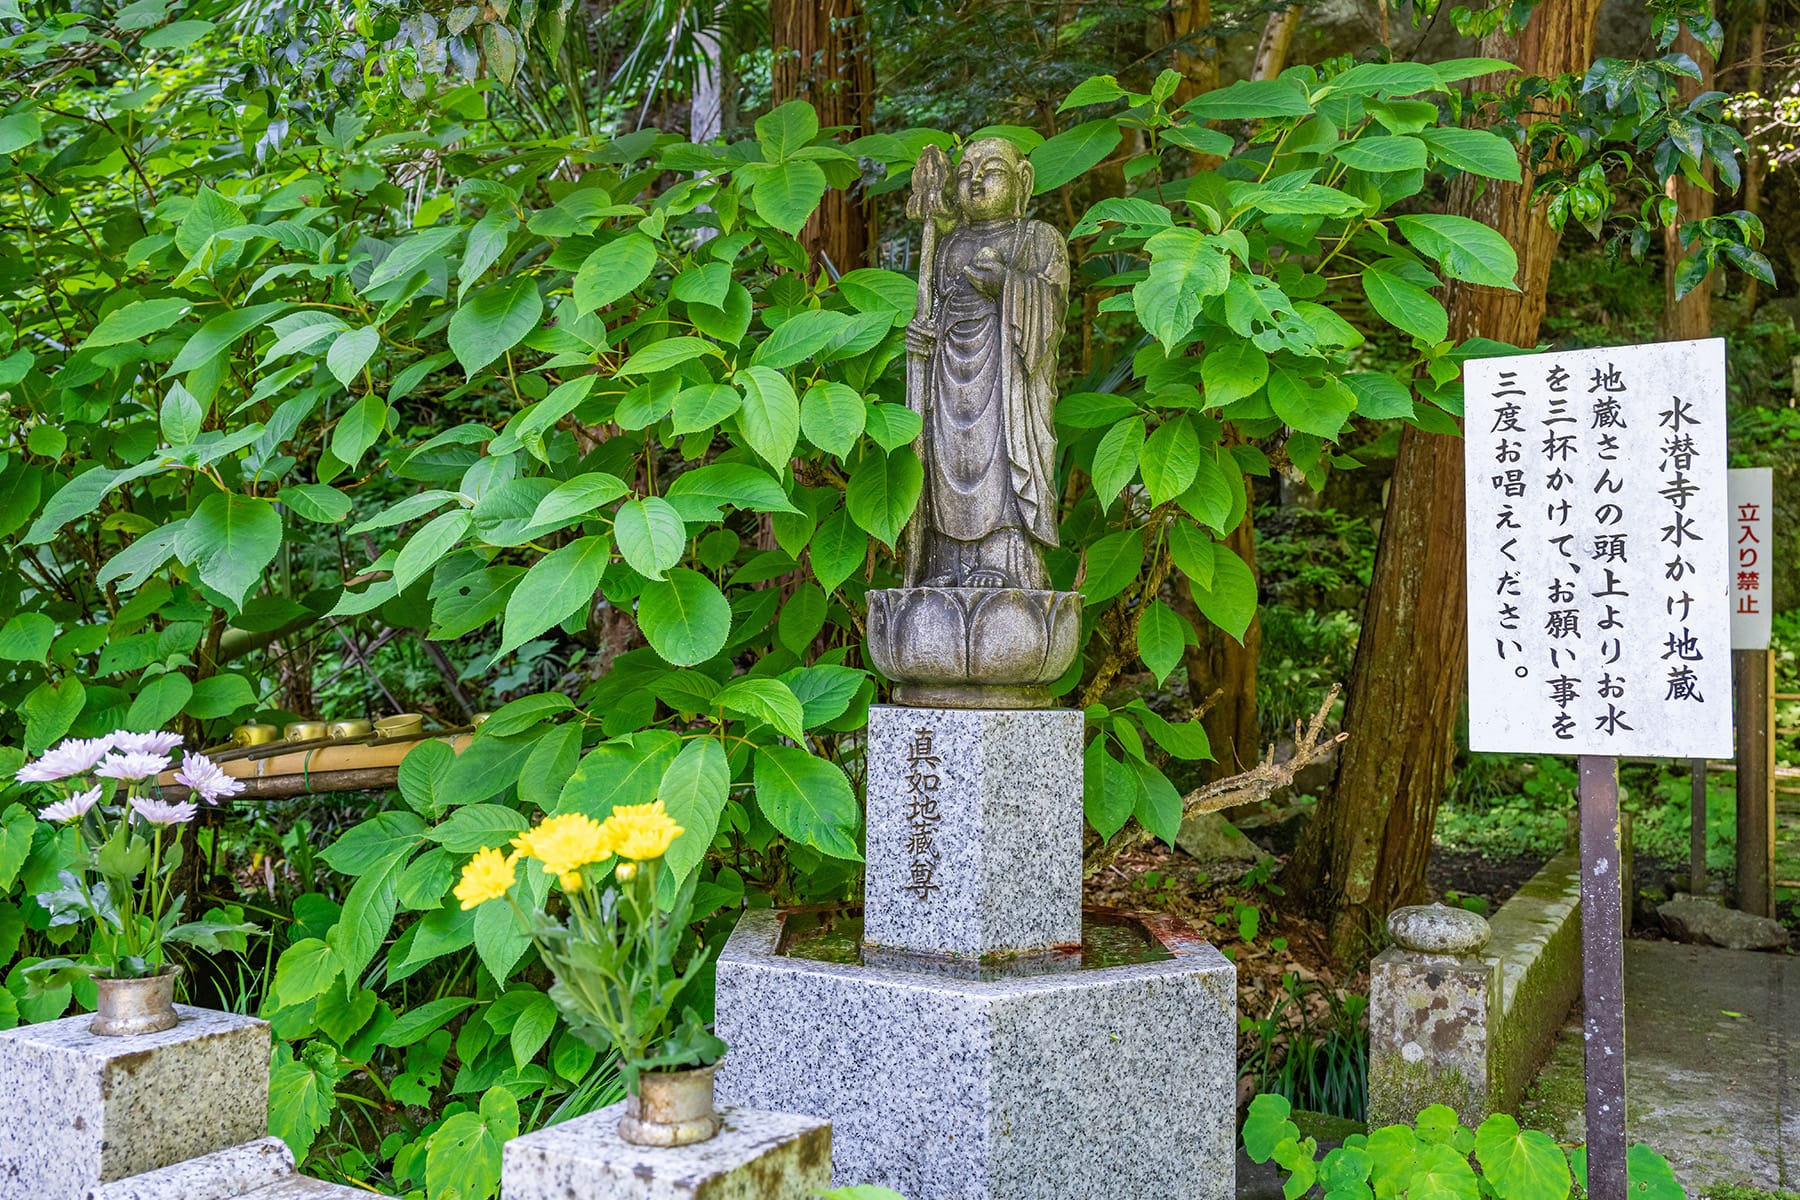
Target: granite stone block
974, 830
82, 1110
1432, 1025
1067, 1085
756, 1156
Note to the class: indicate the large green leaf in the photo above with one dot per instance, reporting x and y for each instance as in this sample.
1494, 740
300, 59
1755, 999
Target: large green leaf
1521, 1164
770, 418
651, 535
560, 584
1116, 459
1474, 150
685, 617
694, 790
229, 539
463, 1161
785, 129
614, 270
1232, 371
158, 702
808, 799
1060, 159
1250, 100
493, 321
1162, 635
831, 416
136, 320
1383, 153
1466, 249
787, 193
1170, 459
1185, 268
436, 538
767, 700
1230, 601
223, 331
1406, 306
883, 492
1319, 409
26, 638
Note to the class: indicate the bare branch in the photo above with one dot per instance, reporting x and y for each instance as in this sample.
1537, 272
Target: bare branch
1249, 787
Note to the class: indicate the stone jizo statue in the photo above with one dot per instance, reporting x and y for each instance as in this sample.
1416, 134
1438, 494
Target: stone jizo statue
976, 624
982, 372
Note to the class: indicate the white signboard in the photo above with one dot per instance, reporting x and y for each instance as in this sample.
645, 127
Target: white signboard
1599, 579
1752, 493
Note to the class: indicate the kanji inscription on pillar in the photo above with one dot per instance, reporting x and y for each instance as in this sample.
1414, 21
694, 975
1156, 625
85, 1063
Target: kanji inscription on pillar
1600, 568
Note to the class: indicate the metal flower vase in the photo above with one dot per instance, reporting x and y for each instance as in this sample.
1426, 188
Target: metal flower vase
132, 1006
672, 1108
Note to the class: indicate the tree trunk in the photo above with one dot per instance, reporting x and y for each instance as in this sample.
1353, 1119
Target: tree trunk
1690, 316
1753, 162
1365, 850
822, 56
1277, 36
1194, 56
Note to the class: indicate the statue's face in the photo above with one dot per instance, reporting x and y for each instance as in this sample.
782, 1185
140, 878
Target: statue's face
990, 181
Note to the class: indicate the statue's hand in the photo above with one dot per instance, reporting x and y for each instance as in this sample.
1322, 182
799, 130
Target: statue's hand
921, 335
986, 272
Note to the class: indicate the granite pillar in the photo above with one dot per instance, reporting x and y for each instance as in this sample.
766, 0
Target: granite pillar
1434, 1018
756, 1156
974, 830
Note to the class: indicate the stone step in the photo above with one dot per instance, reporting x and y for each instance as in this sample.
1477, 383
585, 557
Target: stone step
259, 1170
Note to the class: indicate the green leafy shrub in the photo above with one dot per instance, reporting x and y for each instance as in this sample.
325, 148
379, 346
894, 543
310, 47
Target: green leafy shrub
1438, 1157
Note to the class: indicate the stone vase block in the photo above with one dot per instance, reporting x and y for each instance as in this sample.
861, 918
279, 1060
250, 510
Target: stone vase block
1068, 1085
82, 1110
974, 830
756, 1156
1433, 1024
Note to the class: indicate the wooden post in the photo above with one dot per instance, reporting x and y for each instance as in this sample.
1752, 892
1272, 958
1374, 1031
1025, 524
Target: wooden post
1697, 826
1603, 976
1754, 683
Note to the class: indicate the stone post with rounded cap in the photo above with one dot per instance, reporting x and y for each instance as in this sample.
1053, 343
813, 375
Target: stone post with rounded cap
1434, 1013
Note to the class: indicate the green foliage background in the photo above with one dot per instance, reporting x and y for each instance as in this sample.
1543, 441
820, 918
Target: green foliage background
581, 399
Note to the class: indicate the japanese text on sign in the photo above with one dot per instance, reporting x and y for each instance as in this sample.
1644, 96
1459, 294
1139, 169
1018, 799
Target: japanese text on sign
1752, 498
922, 814
1598, 568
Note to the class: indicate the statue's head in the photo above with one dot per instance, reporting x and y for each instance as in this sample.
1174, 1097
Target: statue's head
993, 180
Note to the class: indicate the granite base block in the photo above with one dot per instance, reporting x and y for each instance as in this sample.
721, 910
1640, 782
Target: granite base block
756, 1156
82, 1110
1117, 1081
974, 830
1432, 1021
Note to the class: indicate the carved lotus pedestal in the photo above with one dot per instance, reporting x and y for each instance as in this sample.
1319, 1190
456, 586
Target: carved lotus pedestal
973, 647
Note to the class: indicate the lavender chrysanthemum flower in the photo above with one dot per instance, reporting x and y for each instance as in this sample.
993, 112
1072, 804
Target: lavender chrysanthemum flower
163, 812
73, 808
159, 742
207, 779
71, 756
132, 766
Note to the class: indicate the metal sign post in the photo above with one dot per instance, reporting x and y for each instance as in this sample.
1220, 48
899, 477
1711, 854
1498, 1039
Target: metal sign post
1599, 614
1603, 976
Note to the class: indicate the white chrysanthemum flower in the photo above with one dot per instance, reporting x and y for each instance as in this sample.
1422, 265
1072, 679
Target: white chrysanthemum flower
71, 756
132, 766
207, 778
73, 808
159, 742
163, 812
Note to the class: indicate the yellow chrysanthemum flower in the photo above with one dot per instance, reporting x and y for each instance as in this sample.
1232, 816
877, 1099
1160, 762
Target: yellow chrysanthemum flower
487, 876
567, 843
571, 882
641, 831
